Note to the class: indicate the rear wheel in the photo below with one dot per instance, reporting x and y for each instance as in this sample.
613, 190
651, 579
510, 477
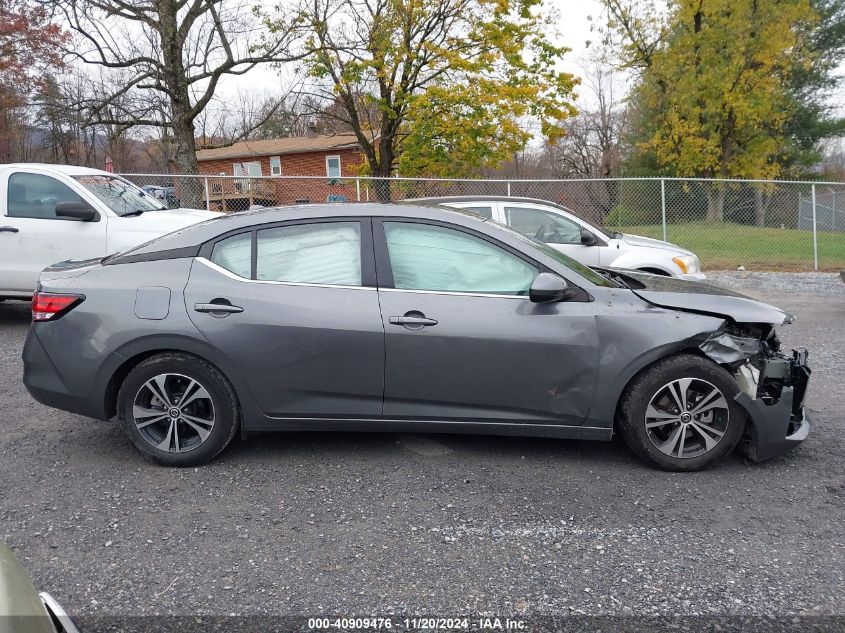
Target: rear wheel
178, 409
680, 414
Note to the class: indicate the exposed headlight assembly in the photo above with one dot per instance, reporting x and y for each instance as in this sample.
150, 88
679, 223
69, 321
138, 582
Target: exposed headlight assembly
687, 263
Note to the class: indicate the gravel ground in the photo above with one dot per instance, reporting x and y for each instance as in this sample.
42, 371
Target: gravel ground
374, 524
774, 283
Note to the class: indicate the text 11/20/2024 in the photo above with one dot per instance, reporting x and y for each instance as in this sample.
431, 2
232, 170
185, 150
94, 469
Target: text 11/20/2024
461, 623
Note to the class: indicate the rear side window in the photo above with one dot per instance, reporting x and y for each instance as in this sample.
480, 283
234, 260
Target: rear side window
319, 253
234, 254
36, 195
426, 257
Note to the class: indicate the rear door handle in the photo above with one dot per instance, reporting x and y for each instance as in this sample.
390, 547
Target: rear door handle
8, 229
420, 321
217, 307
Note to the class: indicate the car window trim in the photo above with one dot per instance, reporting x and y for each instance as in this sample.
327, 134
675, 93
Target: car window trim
384, 271
228, 273
368, 265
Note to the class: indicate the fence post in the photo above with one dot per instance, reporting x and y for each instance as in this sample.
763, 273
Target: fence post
815, 239
207, 197
663, 205
509, 188
358, 188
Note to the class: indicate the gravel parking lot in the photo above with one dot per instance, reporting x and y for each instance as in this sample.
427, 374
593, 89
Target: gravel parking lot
375, 524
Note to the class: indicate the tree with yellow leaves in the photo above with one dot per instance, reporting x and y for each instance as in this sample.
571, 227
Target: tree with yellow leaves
434, 87
714, 82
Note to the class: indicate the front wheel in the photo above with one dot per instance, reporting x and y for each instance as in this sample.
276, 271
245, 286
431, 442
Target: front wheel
177, 409
680, 413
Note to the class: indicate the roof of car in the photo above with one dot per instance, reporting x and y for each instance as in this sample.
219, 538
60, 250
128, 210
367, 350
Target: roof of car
448, 199
204, 231
70, 170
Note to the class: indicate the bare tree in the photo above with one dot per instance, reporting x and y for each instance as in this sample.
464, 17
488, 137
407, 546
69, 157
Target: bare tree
594, 143
171, 56
594, 140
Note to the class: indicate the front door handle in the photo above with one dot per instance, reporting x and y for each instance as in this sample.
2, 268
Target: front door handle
8, 229
221, 309
412, 320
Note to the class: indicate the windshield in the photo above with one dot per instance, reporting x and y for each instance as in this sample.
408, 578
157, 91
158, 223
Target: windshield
121, 196
581, 269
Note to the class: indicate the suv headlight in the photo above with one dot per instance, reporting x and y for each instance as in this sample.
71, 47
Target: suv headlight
687, 263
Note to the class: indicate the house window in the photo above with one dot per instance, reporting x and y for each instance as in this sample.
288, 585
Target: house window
333, 166
251, 169
275, 165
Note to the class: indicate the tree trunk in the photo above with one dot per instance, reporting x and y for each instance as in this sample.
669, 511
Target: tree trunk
716, 203
759, 208
189, 190
381, 167
186, 147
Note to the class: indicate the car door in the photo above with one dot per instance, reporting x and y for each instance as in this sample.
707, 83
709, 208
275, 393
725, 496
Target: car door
464, 342
554, 229
294, 309
32, 237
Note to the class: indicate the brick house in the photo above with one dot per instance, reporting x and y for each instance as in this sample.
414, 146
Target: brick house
330, 157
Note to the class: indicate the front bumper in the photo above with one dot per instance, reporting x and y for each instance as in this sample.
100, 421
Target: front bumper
777, 427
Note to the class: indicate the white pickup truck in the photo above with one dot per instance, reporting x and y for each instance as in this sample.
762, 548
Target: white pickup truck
52, 213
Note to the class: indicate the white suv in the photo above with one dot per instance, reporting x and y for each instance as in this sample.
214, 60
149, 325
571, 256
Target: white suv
560, 228
53, 213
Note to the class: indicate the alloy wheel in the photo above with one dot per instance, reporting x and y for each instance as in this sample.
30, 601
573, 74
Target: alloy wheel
687, 418
173, 412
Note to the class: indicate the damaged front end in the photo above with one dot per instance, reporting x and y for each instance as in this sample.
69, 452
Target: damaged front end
772, 386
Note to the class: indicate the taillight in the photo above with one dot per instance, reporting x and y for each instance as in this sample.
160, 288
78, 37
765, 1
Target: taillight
48, 306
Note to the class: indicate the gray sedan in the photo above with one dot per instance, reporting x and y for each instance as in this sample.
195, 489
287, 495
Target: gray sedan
405, 318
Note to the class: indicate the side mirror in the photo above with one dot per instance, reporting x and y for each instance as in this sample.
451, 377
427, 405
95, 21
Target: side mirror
548, 287
588, 238
81, 211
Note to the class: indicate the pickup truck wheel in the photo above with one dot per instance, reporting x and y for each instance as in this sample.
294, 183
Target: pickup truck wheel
680, 414
178, 409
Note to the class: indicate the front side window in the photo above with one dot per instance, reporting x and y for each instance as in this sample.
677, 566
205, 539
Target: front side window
333, 166
581, 269
318, 253
427, 257
543, 226
121, 196
36, 195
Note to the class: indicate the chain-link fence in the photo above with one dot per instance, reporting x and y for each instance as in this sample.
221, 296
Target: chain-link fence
758, 225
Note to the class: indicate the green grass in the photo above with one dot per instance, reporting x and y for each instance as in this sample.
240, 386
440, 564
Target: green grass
724, 245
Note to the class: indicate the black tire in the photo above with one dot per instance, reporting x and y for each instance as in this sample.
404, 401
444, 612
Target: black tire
652, 384
222, 403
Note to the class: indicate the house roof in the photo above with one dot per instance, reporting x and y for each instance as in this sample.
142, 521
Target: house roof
279, 146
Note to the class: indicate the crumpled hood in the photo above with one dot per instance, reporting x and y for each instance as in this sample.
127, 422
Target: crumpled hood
647, 242
702, 297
